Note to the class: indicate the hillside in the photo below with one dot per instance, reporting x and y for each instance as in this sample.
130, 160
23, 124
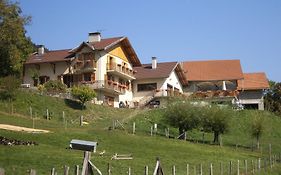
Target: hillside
52, 149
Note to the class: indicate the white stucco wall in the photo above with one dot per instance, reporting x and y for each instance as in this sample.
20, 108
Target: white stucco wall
174, 81
138, 95
46, 69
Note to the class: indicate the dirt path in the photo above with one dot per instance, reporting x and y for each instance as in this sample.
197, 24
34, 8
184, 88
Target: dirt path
23, 129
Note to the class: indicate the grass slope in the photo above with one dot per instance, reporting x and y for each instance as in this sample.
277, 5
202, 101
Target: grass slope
51, 151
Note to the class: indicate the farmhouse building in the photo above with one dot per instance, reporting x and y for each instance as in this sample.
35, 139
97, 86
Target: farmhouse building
158, 80
112, 68
106, 65
224, 79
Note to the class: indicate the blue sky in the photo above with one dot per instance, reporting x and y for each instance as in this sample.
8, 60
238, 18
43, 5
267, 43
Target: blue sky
171, 30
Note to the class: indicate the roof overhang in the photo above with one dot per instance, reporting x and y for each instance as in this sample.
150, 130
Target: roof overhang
130, 52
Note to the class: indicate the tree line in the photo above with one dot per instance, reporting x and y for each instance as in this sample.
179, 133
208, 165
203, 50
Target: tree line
187, 115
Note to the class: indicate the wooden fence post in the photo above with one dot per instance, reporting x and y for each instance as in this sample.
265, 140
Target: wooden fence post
129, 171
201, 169
81, 120
66, 170
30, 111
174, 170
187, 169
32, 172
151, 131
47, 114
53, 171
259, 165
146, 170
246, 166
63, 117
253, 167
230, 168
134, 128
238, 167
76, 172
211, 169
108, 169
221, 168
194, 168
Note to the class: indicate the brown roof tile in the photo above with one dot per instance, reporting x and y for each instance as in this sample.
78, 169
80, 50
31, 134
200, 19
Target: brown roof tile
213, 70
105, 43
253, 81
49, 56
163, 70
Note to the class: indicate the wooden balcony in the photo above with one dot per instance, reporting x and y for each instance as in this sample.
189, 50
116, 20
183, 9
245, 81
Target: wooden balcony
121, 71
107, 86
86, 66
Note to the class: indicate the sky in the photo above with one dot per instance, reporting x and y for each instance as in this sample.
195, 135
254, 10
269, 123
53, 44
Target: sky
171, 30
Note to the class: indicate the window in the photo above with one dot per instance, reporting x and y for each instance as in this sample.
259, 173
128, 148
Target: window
147, 87
87, 77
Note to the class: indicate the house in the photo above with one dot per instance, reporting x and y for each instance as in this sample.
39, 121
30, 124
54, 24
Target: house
43, 66
106, 65
224, 79
158, 80
212, 75
252, 89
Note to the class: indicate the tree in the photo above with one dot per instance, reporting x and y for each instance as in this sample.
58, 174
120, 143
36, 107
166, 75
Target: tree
216, 120
83, 94
9, 86
183, 115
272, 98
14, 45
257, 126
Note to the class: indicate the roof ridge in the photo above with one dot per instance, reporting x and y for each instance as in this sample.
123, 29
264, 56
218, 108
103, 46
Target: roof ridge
212, 60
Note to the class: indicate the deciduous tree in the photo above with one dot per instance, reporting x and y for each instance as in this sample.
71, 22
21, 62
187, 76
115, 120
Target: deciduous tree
14, 45
83, 94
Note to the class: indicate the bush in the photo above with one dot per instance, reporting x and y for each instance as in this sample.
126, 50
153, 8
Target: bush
9, 86
183, 115
55, 86
83, 94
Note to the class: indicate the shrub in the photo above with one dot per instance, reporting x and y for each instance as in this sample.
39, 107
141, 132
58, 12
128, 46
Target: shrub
83, 93
55, 86
183, 115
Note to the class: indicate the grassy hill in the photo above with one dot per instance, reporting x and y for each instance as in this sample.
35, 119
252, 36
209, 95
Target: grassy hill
52, 149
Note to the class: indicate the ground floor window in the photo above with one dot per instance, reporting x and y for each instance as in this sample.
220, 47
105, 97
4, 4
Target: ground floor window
108, 100
251, 106
43, 79
146, 87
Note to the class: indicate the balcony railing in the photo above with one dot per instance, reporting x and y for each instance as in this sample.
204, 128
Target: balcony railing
108, 86
86, 66
125, 71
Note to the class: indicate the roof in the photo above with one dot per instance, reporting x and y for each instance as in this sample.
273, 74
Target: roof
163, 70
108, 43
49, 56
212, 70
104, 44
253, 81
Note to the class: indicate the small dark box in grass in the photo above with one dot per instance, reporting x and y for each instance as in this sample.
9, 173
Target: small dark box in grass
83, 145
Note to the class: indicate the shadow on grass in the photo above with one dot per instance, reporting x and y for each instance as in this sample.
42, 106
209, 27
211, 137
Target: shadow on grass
73, 104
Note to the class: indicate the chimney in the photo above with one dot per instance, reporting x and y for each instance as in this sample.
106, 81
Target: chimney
154, 63
223, 85
94, 37
41, 50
